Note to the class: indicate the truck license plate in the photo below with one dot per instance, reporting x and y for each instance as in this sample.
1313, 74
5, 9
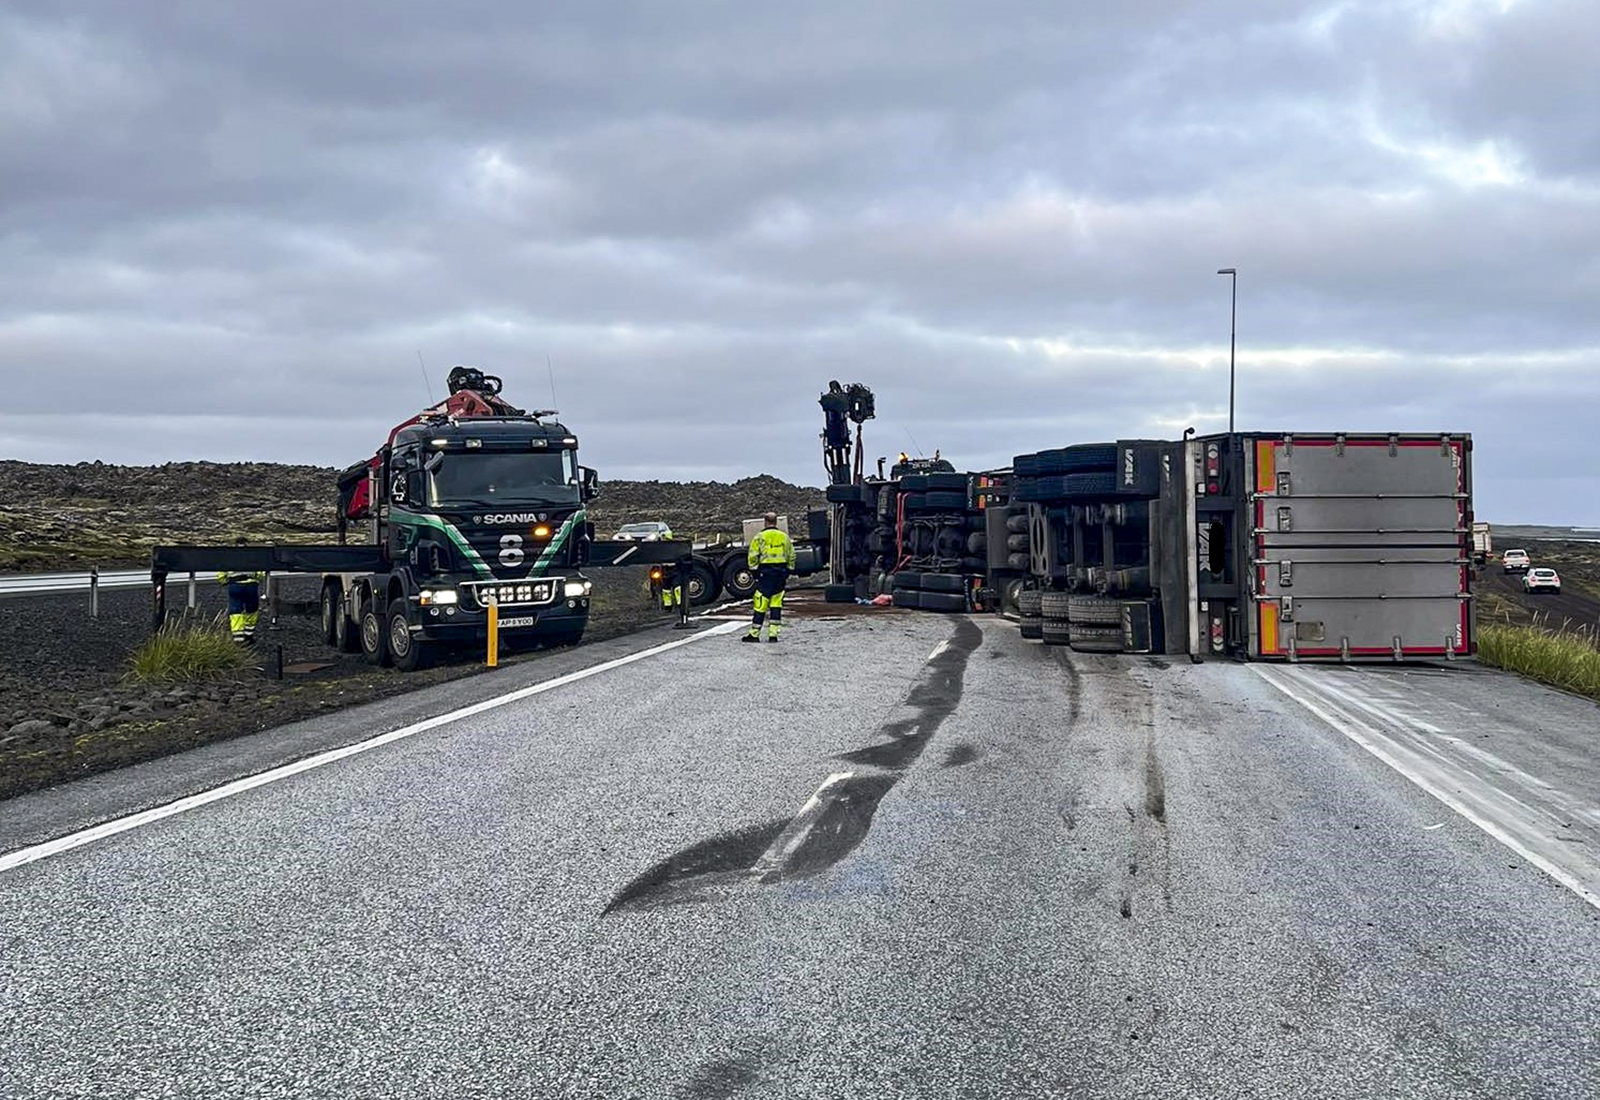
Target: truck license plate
518, 620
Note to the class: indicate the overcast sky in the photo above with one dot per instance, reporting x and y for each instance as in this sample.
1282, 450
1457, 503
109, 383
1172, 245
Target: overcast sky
228, 230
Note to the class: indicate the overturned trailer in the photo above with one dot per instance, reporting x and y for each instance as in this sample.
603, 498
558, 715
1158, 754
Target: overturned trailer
1267, 546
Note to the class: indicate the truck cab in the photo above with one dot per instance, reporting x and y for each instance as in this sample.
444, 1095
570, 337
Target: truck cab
470, 513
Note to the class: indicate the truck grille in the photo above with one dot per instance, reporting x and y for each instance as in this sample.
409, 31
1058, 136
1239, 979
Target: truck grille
514, 593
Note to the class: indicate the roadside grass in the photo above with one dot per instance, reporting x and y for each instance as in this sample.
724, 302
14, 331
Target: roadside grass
186, 650
1562, 657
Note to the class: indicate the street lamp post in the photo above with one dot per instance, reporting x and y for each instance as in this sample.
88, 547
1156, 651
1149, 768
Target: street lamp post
1233, 328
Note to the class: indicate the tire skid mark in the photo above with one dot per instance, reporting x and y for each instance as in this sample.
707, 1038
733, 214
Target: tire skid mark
836, 819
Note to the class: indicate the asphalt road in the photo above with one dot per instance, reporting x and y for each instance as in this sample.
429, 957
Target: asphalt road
898, 855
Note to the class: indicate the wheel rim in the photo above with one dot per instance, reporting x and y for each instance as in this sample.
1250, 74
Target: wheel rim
371, 632
399, 636
328, 620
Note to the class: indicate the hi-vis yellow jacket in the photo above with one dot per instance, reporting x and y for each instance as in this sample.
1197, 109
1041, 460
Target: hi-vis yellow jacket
771, 547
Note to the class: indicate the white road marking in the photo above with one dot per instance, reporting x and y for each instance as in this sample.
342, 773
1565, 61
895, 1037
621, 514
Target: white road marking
1516, 824
938, 649
786, 843
106, 829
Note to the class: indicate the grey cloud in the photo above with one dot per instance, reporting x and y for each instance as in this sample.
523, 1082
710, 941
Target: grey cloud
230, 230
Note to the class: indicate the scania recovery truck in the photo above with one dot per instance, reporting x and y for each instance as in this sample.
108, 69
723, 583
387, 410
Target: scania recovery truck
471, 503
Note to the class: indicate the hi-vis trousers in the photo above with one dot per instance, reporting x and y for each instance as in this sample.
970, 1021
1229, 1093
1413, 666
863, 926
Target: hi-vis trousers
768, 600
244, 604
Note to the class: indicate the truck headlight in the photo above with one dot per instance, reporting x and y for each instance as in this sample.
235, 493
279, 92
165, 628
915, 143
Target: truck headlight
439, 597
578, 588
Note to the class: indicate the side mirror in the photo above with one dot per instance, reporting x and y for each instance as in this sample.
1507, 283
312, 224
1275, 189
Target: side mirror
589, 480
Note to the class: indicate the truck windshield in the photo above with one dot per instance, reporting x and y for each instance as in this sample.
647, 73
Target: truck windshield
491, 477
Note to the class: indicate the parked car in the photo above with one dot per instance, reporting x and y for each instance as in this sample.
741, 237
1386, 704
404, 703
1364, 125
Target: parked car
1541, 580
653, 531
1514, 561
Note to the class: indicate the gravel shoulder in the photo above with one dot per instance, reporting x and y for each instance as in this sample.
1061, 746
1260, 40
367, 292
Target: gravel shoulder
67, 710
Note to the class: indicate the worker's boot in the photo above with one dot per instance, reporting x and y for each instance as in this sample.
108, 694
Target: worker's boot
751, 638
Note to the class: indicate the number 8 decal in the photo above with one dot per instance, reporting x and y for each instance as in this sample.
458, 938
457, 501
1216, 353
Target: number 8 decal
511, 551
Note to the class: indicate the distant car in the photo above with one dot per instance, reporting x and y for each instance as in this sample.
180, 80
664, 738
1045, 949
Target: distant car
654, 531
1541, 580
1514, 561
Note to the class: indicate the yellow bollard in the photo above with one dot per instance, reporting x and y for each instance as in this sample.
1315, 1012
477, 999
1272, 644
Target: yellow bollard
494, 635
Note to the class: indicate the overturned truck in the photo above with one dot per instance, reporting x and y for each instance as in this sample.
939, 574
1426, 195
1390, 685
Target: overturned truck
1265, 546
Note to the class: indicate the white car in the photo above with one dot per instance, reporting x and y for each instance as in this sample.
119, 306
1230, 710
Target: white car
1541, 580
1514, 561
653, 531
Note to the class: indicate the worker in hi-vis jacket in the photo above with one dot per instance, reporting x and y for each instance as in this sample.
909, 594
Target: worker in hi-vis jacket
772, 557
244, 604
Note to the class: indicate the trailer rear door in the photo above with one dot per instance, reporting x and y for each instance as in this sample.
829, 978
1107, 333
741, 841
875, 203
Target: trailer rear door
1361, 547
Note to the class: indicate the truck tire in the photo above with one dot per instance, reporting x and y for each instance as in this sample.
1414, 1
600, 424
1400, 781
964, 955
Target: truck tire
1008, 596
1096, 639
1017, 525
942, 601
907, 580
1054, 632
1018, 561
839, 593
332, 610
914, 483
914, 502
1029, 603
704, 587
374, 635
1090, 484
1031, 627
957, 482
1019, 543
943, 582
907, 597
1025, 465
1094, 611
407, 652
1088, 456
346, 633
738, 579
1054, 605
977, 543
843, 494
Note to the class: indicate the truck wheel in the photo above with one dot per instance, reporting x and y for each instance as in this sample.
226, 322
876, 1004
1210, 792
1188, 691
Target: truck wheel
942, 601
1031, 627
1094, 610
409, 653
738, 579
839, 593
703, 584
374, 635
332, 611
1096, 639
346, 635
943, 582
1055, 605
907, 597
1054, 632
1029, 602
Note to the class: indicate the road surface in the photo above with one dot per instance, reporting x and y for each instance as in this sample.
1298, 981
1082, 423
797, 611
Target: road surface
898, 855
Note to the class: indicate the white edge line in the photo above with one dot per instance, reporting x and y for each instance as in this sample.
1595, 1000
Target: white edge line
1563, 877
23, 856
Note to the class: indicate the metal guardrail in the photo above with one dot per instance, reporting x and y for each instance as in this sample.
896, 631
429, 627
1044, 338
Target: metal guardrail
92, 581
